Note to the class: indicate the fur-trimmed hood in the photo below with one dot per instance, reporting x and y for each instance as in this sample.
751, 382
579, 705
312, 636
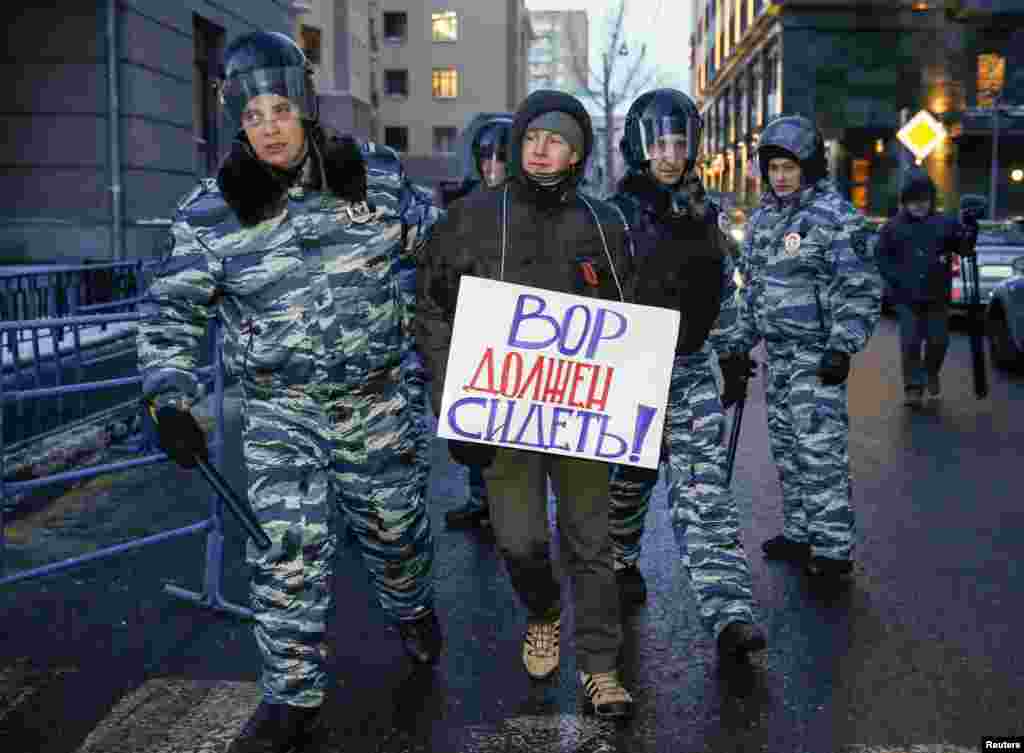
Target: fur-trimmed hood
256, 191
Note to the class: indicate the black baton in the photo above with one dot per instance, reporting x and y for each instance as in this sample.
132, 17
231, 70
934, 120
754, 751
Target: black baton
977, 325
734, 439
179, 431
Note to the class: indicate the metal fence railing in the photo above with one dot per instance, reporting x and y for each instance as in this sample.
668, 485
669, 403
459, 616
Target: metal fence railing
213, 525
66, 352
46, 291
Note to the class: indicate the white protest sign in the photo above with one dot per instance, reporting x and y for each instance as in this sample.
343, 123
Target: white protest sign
552, 372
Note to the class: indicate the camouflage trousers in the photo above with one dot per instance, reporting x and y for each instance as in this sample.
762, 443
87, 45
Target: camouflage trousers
477, 489
415, 376
316, 455
809, 428
705, 519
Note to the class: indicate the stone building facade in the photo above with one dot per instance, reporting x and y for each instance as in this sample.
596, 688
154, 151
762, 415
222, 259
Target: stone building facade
107, 131
860, 68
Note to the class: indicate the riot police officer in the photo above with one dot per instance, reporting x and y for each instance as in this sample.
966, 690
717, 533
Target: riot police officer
285, 247
813, 295
683, 262
487, 139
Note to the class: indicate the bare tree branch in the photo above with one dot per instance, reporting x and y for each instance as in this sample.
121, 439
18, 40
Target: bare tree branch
608, 86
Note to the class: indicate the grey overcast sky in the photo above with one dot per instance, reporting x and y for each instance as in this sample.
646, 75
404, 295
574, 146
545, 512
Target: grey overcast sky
663, 24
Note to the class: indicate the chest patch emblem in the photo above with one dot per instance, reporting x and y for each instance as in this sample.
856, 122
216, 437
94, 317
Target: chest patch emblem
791, 243
723, 223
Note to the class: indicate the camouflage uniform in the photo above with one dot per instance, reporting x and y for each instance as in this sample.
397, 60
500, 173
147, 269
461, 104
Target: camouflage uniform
313, 327
705, 520
809, 286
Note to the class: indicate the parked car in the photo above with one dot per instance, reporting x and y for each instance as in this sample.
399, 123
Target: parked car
1004, 319
996, 254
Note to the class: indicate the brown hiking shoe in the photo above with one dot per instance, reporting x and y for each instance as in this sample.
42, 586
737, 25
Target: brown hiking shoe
605, 695
541, 646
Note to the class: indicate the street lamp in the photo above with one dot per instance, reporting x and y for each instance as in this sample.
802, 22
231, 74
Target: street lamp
1017, 175
994, 177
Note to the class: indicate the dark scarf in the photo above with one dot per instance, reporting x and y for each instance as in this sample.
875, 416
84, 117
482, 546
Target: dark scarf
256, 191
685, 200
549, 191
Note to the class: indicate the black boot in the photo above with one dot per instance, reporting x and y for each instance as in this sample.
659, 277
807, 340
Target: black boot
468, 516
632, 587
739, 639
276, 728
829, 568
781, 548
422, 638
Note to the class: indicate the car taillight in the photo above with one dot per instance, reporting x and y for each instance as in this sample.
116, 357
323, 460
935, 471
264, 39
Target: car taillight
956, 265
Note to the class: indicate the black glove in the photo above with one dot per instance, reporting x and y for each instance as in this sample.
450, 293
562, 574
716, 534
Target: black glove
180, 436
834, 367
471, 453
970, 224
736, 369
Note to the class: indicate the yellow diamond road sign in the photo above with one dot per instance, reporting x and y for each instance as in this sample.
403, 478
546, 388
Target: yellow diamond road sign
921, 134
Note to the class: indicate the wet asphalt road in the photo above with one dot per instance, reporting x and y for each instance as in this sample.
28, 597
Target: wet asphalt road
923, 649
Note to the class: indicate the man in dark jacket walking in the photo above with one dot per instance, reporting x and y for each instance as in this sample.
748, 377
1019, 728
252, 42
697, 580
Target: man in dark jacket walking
914, 254
539, 230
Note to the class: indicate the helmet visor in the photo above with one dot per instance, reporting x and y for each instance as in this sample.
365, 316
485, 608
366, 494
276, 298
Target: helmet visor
668, 138
245, 106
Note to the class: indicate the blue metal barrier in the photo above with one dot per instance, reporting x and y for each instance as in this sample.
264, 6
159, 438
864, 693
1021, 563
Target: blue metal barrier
211, 596
62, 291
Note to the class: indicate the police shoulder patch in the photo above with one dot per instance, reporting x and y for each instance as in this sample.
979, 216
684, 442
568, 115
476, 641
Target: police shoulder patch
860, 242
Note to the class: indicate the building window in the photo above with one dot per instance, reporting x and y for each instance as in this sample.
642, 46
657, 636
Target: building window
397, 137
208, 44
445, 83
309, 40
396, 83
395, 27
860, 175
770, 85
755, 98
445, 138
991, 78
444, 26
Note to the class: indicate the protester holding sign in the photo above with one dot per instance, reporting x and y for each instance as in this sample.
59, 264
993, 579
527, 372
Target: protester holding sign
812, 293
539, 231
683, 263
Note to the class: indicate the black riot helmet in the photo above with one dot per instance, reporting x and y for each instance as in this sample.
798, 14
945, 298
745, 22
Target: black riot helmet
654, 116
264, 62
491, 140
797, 138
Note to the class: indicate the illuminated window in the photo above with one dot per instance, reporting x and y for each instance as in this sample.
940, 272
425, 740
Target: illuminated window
991, 77
309, 37
445, 26
860, 174
445, 83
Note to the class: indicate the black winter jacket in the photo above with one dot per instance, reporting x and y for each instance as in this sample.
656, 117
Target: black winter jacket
681, 256
915, 256
547, 238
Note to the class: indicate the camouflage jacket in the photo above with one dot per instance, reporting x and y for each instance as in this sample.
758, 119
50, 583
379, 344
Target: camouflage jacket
807, 274
311, 294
